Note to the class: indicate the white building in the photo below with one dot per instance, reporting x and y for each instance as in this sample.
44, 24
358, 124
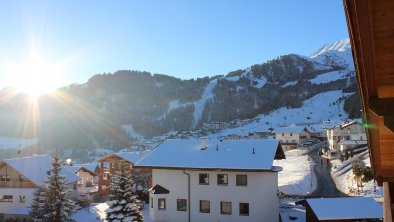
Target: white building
291, 136
346, 136
87, 186
19, 179
212, 180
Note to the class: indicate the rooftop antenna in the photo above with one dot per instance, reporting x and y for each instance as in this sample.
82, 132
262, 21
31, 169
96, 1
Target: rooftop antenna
253, 151
217, 147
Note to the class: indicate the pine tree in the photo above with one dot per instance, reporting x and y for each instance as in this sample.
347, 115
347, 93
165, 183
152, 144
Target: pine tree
141, 184
50, 201
123, 204
38, 205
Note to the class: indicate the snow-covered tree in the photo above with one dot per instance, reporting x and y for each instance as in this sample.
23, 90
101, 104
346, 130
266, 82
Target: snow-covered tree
141, 184
123, 204
358, 167
51, 202
38, 205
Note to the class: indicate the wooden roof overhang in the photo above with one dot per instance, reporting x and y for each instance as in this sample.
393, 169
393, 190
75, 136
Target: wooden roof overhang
371, 29
111, 158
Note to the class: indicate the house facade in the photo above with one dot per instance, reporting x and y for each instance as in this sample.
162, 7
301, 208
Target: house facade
292, 136
111, 164
87, 186
20, 178
346, 136
229, 180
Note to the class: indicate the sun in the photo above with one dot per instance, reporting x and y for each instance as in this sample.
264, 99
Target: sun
34, 77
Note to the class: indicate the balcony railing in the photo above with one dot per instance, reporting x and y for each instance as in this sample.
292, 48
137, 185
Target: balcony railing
16, 184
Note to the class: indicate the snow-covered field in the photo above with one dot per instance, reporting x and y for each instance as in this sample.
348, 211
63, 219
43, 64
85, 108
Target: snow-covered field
296, 177
16, 143
96, 213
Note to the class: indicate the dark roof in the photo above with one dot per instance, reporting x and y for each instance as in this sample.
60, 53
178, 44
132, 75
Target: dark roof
159, 190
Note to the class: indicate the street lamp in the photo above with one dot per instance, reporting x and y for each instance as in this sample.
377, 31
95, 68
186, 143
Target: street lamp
69, 162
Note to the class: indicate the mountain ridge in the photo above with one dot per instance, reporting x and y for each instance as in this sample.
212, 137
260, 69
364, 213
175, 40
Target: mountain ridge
103, 110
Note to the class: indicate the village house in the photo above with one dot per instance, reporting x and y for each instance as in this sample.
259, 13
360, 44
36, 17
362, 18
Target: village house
87, 186
20, 178
292, 136
346, 136
214, 180
215, 125
110, 165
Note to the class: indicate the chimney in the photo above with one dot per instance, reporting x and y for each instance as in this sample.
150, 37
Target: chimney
203, 143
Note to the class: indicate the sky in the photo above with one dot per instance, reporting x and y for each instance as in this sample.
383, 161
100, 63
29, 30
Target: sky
71, 40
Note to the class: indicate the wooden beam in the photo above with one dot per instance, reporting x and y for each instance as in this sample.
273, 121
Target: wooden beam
388, 193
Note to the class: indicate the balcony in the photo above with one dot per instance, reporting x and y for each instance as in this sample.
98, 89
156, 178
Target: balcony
16, 184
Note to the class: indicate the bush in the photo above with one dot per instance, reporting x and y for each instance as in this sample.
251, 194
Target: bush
367, 174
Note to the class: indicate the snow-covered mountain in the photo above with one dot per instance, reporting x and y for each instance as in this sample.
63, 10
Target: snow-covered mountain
335, 54
110, 106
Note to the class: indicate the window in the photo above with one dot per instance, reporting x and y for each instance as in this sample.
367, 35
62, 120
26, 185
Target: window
291, 134
151, 202
242, 180
283, 134
5, 198
293, 141
205, 206
22, 198
225, 207
105, 176
244, 209
5, 177
204, 178
223, 179
161, 203
181, 205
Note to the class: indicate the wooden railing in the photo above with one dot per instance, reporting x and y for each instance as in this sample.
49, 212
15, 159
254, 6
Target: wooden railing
17, 184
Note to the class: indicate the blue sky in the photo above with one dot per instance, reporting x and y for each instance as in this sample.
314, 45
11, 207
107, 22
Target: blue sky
183, 38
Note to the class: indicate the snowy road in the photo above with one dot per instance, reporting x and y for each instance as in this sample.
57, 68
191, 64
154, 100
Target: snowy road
326, 186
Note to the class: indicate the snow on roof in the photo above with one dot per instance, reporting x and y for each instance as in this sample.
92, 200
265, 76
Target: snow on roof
132, 157
75, 168
35, 168
226, 154
289, 129
345, 208
90, 166
352, 142
349, 123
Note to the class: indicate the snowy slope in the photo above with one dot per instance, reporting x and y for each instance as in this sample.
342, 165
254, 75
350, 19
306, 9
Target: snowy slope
16, 143
335, 54
328, 77
199, 105
320, 108
130, 130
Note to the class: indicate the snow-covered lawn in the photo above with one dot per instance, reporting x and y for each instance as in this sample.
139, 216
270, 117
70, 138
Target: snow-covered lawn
296, 177
96, 213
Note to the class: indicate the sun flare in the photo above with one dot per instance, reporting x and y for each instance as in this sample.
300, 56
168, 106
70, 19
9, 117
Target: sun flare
35, 77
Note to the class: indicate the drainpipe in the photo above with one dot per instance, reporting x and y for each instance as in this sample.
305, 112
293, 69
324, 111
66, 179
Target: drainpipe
188, 192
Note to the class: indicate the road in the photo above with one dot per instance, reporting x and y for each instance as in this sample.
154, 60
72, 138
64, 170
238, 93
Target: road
326, 186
